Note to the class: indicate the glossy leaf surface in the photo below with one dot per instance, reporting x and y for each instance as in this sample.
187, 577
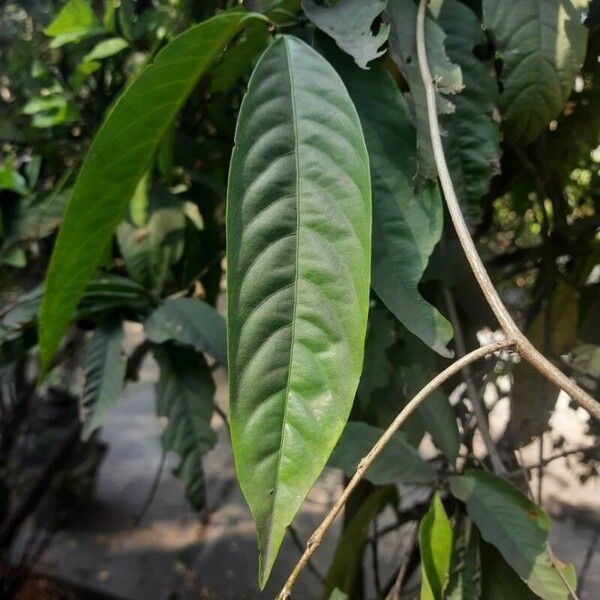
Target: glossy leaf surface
135, 125
298, 251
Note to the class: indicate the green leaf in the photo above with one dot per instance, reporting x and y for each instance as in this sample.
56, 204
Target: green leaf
298, 242
349, 23
75, 21
516, 526
398, 462
472, 142
104, 369
347, 560
465, 563
406, 225
121, 153
190, 322
184, 395
402, 15
435, 547
498, 579
542, 46
151, 250
106, 48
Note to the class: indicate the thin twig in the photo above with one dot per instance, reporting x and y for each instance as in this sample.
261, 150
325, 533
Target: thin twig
588, 560
396, 591
374, 544
298, 543
554, 457
315, 540
474, 395
153, 489
523, 345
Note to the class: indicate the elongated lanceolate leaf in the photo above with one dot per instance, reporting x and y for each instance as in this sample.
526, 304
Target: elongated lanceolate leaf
350, 24
298, 263
121, 153
542, 47
435, 547
189, 322
516, 526
104, 368
406, 224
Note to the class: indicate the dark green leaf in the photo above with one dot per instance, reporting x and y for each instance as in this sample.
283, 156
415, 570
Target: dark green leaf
398, 462
435, 546
542, 46
516, 526
346, 565
350, 24
184, 395
498, 580
121, 153
298, 242
104, 369
190, 322
465, 562
406, 225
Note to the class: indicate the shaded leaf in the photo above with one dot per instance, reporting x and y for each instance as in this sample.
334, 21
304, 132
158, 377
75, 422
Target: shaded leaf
190, 322
135, 125
472, 142
184, 395
347, 560
398, 462
406, 224
104, 369
498, 579
465, 564
516, 526
435, 547
350, 24
402, 15
298, 242
542, 46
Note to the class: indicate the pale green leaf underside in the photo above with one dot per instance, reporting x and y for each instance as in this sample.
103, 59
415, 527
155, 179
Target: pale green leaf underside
189, 322
516, 526
406, 224
121, 153
298, 252
350, 24
542, 46
104, 368
435, 547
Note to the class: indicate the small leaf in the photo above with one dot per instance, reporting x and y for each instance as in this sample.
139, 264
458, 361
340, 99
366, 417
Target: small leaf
184, 395
135, 126
542, 46
516, 526
398, 462
298, 263
347, 560
106, 48
190, 322
472, 142
75, 21
350, 24
435, 546
406, 224
402, 15
104, 369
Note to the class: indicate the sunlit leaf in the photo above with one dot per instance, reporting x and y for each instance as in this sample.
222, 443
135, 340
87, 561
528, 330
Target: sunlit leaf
75, 21
298, 264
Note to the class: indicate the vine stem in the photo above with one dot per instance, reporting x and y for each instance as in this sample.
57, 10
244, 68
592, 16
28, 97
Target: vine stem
522, 344
316, 538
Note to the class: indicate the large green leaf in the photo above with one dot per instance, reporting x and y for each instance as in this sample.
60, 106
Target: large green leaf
184, 395
435, 547
515, 525
402, 15
350, 24
406, 224
472, 142
399, 462
121, 153
498, 580
190, 322
298, 244
347, 561
542, 46
104, 368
